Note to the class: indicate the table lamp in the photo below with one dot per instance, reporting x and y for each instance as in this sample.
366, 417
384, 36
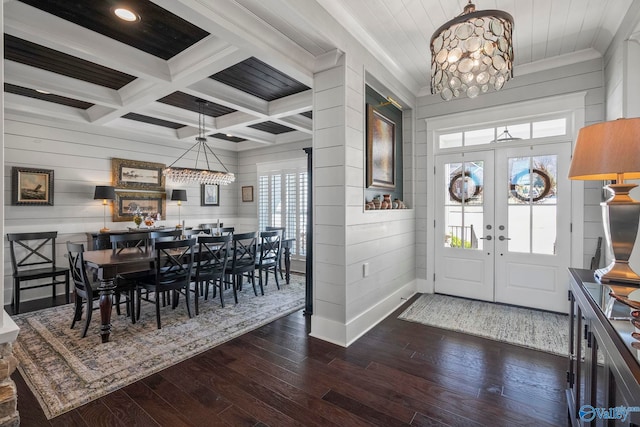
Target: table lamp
104, 192
180, 196
611, 151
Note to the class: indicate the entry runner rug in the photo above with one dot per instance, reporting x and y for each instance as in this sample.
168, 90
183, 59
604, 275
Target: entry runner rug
535, 329
65, 371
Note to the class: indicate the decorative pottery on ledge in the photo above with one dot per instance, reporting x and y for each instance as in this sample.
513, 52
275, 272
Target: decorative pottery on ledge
385, 203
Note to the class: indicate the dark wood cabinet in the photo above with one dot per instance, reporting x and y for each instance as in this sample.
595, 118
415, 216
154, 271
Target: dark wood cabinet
604, 369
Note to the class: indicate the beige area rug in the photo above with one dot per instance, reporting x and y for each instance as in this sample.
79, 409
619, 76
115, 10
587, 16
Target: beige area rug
65, 371
535, 329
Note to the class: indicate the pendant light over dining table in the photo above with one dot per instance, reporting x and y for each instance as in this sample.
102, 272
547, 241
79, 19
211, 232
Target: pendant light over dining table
202, 176
472, 53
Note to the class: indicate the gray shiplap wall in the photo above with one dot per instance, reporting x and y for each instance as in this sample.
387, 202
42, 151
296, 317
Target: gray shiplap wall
80, 156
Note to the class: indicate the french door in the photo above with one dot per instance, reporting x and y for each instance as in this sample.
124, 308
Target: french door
503, 225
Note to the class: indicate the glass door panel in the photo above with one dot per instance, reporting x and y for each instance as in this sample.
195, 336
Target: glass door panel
463, 204
532, 207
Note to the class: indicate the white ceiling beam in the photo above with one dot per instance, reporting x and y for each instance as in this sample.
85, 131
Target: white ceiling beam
255, 135
214, 91
292, 104
230, 122
35, 78
42, 109
297, 122
140, 92
234, 23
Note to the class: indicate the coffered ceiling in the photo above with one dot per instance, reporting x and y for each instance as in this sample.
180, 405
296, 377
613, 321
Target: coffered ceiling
252, 60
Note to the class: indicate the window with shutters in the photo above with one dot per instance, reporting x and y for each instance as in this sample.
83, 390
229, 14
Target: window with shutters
282, 200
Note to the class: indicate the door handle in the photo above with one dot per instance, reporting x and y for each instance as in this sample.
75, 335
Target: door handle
488, 238
503, 238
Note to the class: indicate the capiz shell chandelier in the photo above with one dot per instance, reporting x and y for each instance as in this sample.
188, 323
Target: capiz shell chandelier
202, 176
472, 53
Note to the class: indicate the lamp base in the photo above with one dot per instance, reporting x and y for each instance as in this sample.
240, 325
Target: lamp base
620, 217
104, 230
617, 272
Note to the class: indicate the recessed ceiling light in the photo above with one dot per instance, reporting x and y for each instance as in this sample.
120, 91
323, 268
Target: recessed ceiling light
43, 91
229, 135
126, 14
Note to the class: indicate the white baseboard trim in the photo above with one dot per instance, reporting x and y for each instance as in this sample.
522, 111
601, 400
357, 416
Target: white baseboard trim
424, 287
345, 334
9, 330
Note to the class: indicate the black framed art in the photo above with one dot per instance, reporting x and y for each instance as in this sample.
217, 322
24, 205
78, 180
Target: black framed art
209, 195
381, 150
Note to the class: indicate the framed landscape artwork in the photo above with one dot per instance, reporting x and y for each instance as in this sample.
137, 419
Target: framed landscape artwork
209, 195
137, 175
127, 203
31, 186
381, 150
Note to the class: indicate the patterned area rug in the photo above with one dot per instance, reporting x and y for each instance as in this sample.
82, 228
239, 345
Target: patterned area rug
535, 329
65, 371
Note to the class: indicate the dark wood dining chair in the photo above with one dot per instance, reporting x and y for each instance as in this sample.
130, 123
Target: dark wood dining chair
210, 226
142, 241
243, 261
173, 265
210, 265
163, 234
86, 288
283, 237
33, 257
269, 256
227, 231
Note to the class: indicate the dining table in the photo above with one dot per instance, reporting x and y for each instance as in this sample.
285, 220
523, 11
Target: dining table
108, 264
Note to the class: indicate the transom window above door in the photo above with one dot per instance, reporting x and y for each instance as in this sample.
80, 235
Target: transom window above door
539, 128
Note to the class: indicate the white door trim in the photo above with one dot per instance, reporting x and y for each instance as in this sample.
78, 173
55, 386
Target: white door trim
573, 103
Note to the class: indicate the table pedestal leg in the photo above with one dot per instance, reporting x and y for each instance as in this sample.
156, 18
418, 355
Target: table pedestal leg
106, 290
287, 264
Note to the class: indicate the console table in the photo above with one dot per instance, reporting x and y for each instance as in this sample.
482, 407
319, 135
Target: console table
604, 367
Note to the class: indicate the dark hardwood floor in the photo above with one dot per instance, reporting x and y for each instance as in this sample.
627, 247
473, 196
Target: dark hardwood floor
399, 373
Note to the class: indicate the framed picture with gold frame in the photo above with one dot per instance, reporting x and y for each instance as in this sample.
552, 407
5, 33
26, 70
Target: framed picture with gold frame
149, 203
137, 175
31, 186
381, 150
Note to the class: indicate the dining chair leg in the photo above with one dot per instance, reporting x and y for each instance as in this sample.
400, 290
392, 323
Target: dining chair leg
275, 274
158, 311
235, 291
220, 283
138, 302
77, 315
131, 305
88, 320
186, 293
196, 295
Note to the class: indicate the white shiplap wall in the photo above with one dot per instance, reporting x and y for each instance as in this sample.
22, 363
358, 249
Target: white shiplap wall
80, 156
